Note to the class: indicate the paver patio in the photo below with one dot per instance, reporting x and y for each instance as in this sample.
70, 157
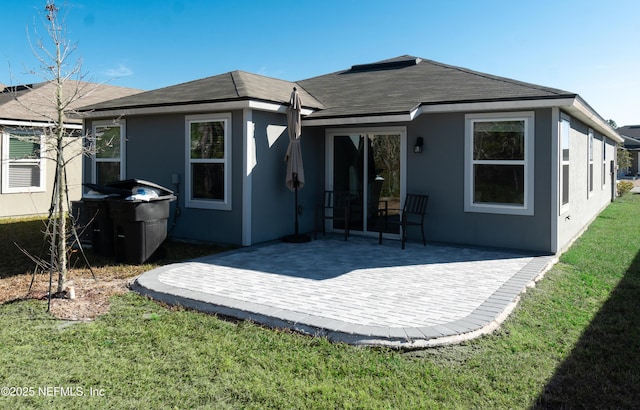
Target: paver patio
357, 291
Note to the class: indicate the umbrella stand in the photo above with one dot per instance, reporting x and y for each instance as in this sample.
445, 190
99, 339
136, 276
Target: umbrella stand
296, 237
293, 158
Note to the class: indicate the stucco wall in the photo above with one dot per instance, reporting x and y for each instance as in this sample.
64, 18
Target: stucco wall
273, 203
439, 172
155, 150
584, 206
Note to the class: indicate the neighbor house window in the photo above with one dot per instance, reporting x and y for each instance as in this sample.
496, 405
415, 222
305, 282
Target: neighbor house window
23, 164
565, 144
499, 163
208, 171
590, 154
604, 162
108, 151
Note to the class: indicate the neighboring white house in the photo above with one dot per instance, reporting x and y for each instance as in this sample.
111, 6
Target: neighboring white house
26, 174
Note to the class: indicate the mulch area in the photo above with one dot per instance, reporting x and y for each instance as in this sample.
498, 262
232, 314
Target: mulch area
91, 296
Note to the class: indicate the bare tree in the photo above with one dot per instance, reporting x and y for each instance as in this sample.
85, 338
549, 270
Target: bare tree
64, 76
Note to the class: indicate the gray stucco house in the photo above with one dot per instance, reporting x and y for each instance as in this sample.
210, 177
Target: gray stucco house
505, 163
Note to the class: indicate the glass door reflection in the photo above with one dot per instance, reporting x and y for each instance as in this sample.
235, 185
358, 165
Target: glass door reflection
367, 167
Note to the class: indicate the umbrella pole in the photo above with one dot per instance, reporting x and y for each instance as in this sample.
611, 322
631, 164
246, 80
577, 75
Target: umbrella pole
295, 187
296, 237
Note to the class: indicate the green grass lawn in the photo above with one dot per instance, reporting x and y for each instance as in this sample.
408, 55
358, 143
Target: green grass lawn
573, 341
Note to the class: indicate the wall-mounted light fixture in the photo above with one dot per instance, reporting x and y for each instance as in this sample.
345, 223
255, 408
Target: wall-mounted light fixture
418, 147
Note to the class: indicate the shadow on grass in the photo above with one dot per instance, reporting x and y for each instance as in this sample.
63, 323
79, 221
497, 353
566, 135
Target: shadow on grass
29, 235
603, 370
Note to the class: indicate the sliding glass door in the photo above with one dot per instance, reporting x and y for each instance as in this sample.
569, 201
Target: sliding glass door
368, 165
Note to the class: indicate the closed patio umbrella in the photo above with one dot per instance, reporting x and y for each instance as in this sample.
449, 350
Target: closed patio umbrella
295, 170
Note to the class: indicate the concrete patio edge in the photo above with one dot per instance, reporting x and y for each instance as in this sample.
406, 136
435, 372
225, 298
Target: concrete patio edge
485, 319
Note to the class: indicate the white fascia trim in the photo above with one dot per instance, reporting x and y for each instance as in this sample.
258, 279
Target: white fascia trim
37, 124
347, 121
193, 108
442, 108
584, 113
497, 105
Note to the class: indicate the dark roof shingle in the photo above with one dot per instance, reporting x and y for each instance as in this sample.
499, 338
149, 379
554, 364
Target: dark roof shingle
397, 85
36, 102
403, 83
632, 131
235, 85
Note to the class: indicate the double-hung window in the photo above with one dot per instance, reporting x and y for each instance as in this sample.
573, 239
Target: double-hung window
565, 145
23, 164
590, 170
604, 162
208, 171
499, 163
108, 151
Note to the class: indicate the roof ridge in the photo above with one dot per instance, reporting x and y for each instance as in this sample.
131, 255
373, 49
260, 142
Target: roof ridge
499, 78
234, 82
301, 87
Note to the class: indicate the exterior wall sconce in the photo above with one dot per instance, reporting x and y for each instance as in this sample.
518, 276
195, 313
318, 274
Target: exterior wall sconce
418, 147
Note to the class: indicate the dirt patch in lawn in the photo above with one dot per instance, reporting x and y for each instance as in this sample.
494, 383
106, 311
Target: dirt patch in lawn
91, 297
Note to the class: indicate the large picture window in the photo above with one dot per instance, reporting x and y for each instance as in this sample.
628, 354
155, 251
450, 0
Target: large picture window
23, 166
499, 163
108, 151
208, 145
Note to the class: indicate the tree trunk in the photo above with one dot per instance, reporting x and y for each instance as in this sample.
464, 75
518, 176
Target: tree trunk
60, 175
62, 217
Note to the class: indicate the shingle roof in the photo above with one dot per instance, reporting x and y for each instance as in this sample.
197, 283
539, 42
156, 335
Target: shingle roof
396, 85
34, 102
232, 86
401, 84
632, 131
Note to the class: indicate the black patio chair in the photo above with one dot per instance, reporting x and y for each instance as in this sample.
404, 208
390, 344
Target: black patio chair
411, 214
336, 206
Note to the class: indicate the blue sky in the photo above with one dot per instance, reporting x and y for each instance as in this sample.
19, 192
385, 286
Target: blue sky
583, 46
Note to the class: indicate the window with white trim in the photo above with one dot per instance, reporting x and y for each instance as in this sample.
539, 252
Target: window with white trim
565, 145
23, 163
499, 163
208, 162
590, 162
108, 139
604, 162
